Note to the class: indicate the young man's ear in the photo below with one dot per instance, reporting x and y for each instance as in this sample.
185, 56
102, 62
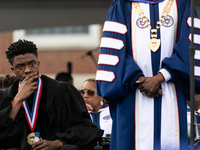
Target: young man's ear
12, 68
38, 63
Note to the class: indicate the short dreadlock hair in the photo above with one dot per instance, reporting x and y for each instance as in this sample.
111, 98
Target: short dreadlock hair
20, 47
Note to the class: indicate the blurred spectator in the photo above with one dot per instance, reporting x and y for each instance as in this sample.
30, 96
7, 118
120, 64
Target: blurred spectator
97, 108
196, 119
6, 81
64, 76
99, 111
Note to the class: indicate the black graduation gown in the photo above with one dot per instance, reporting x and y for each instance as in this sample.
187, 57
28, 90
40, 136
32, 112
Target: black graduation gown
68, 116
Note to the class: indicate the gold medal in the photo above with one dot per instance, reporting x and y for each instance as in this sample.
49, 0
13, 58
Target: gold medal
31, 138
154, 44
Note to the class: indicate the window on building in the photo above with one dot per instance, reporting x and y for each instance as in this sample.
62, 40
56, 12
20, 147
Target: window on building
62, 38
59, 30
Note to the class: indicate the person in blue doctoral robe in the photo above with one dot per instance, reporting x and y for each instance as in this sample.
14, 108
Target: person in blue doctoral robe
144, 72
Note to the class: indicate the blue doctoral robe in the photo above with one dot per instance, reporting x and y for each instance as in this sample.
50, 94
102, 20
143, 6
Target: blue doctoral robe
139, 122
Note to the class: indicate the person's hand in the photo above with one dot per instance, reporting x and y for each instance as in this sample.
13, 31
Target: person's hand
150, 86
27, 87
157, 93
140, 80
47, 145
89, 107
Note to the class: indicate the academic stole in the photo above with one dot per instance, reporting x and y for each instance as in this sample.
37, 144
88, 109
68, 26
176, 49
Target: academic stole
31, 117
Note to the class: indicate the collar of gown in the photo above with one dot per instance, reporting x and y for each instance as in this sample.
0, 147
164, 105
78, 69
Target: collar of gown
147, 1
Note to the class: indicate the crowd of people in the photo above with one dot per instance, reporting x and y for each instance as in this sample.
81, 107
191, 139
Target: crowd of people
138, 99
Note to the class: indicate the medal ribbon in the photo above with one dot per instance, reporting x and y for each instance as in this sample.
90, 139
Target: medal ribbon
31, 117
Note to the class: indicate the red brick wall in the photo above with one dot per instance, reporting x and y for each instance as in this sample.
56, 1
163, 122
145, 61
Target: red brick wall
56, 61
5, 39
51, 62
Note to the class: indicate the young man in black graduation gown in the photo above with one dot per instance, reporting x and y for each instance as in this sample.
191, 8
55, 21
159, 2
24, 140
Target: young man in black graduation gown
37, 103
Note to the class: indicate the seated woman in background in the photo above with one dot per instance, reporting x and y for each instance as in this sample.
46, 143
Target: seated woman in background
96, 105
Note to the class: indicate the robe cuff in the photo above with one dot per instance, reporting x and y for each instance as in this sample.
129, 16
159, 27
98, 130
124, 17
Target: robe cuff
166, 74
